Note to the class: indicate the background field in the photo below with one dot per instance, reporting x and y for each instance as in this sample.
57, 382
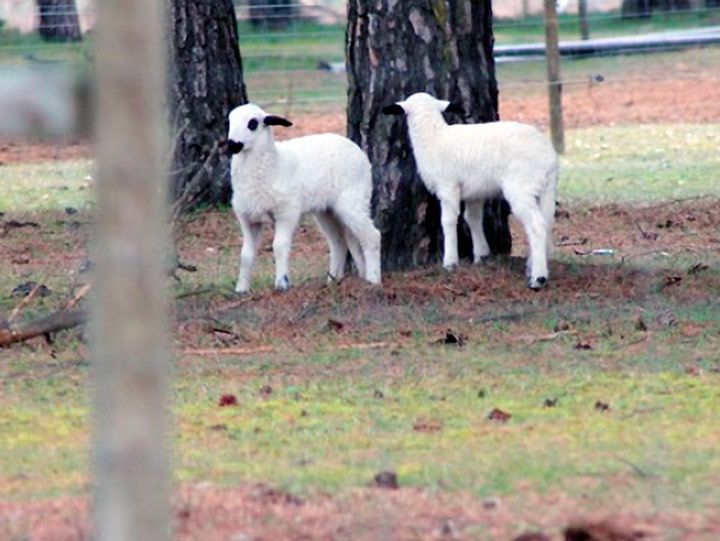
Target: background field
604, 386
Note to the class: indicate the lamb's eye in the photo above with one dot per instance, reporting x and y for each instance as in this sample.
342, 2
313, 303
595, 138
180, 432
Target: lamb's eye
253, 124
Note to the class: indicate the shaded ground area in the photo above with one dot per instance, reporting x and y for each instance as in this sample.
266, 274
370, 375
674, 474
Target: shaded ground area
430, 299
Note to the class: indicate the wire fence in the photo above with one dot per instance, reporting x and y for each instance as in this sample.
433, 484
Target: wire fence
293, 53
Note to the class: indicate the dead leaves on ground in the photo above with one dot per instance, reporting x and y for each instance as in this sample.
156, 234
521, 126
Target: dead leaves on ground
386, 479
499, 416
427, 425
226, 400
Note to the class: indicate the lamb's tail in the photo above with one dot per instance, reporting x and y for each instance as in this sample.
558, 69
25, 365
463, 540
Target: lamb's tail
547, 205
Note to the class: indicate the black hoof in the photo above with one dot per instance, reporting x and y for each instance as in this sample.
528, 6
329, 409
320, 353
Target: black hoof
538, 283
282, 285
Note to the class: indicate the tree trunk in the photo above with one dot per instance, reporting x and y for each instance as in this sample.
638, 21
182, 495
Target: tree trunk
206, 83
583, 20
644, 8
394, 49
58, 20
130, 342
272, 14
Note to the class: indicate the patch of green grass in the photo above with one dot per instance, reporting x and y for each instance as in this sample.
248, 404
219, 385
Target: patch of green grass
602, 25
641, 163
324, 427
30, 187
618, 163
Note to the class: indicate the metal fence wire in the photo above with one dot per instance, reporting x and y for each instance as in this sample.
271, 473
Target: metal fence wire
293, 52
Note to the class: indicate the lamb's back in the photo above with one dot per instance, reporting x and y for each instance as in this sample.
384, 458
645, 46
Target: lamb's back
324, 167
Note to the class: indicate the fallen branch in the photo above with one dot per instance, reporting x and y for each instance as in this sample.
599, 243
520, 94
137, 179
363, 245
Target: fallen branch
59, 321
78, 296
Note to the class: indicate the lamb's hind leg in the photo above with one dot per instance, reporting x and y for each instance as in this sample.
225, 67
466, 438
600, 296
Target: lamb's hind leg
335, 235
361, 227
356, 252
527, 210
474, 218
285, 225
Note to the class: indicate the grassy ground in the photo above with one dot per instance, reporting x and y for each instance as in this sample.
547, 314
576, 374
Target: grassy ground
609, 376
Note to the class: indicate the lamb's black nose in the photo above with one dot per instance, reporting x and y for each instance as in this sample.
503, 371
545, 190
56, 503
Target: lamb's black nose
234, 147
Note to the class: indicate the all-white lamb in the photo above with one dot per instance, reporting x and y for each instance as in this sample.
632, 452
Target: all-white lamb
474, 162
326, 175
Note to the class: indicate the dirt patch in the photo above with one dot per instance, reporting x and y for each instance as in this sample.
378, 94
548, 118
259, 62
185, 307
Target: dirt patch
261, 513
34, 150
626, 102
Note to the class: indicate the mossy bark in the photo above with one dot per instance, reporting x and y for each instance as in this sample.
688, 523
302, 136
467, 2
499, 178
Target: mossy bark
445, 48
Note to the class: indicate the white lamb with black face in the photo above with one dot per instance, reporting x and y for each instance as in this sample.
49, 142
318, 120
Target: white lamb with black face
475, 162
326, 175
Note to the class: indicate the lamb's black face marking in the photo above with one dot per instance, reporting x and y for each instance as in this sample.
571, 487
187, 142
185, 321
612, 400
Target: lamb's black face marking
455, 108
393, 109
234, 147
253, 124
272, 120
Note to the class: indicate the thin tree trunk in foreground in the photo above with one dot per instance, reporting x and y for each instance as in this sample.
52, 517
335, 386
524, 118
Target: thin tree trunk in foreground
129, 342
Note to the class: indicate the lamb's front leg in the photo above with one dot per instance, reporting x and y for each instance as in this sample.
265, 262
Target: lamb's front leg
251, 242
450, 209
285, 225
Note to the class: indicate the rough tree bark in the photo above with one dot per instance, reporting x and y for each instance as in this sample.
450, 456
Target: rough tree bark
394, 49
58, 20
205, 84
272, 14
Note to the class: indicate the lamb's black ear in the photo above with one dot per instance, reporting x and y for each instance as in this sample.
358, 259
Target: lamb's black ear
272, 120
455, 108
393, 109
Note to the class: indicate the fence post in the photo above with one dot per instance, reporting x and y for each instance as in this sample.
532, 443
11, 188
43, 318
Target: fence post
552, 53
129, 327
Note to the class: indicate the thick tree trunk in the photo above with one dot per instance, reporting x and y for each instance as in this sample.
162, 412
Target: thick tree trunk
443, 47
272, 14
58, 20
206, 83
644, 8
